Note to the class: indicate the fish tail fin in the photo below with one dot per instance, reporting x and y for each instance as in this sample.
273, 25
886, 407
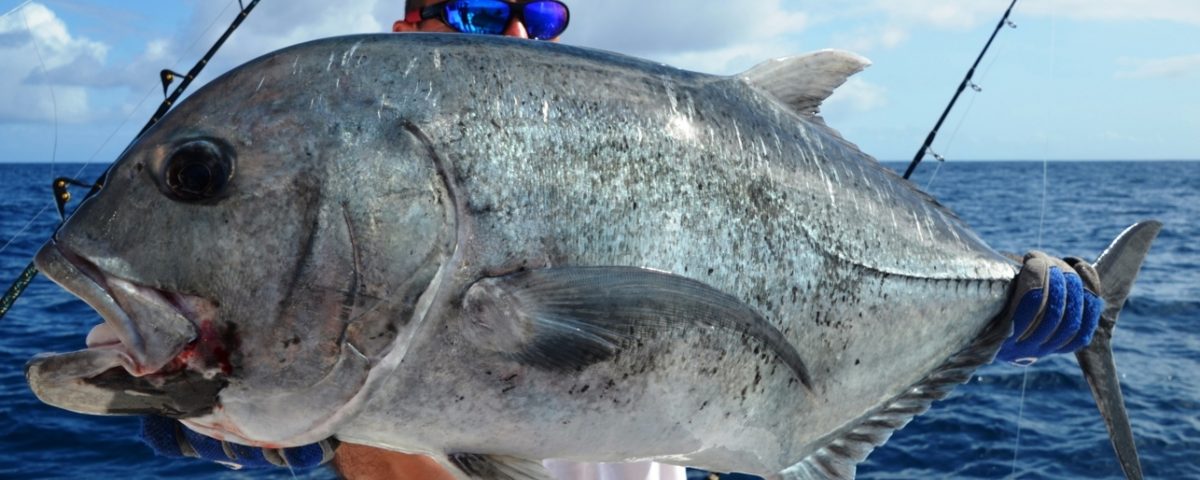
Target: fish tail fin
1117, 268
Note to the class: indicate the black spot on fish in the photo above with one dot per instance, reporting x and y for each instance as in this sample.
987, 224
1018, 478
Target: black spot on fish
509, 378
506, 389
584, 389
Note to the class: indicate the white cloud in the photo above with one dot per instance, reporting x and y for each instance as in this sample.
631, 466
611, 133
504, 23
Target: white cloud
1143, 68
274, 25
714, 36
729, 60
965, 15
1175, 11
857, 95
865, 39
665, 27
895, 19
31, 37
936, 13
270, 26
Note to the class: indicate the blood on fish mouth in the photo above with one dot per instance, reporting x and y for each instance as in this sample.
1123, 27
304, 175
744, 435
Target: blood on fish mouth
204, 351
157, 352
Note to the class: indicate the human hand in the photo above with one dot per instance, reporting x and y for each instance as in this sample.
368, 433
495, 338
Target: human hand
1055, 307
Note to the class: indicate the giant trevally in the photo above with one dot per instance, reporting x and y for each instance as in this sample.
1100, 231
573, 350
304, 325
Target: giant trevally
497, 251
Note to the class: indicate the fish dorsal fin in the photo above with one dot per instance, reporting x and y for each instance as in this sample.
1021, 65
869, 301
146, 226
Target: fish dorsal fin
804, 81
849, 446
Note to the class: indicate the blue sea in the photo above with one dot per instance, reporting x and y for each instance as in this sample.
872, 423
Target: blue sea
1007, 422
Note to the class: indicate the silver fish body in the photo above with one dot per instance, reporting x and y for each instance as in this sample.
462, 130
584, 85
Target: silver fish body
395, 198
871, 281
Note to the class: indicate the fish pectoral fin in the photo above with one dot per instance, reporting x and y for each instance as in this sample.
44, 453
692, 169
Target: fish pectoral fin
569, 317
498, 467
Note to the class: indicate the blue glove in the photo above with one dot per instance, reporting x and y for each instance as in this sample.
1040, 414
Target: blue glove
1055, 308
169, 438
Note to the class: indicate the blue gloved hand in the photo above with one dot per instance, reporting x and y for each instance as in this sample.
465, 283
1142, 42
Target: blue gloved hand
169, 438
1055, 308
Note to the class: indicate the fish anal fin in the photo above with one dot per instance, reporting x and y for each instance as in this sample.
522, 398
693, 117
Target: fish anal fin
843, 450
498, 467
565, 318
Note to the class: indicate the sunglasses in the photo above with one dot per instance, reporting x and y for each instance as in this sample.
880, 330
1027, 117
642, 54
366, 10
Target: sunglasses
543, 19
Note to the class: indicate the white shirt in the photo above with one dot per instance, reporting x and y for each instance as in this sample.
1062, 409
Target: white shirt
564, 470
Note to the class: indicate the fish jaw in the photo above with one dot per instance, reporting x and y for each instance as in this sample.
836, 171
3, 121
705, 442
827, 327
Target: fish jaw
156, 351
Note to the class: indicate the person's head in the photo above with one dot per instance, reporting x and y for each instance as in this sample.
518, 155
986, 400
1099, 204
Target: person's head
538, 19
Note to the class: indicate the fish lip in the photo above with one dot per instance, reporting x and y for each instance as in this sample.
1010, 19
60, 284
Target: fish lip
82, 277
145, 358
93, 382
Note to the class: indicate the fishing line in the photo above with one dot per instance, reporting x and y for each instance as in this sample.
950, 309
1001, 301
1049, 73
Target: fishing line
1041, 226
1020, 417
14, 9
150, 91
125, 121
49, 85
946, 148
26, 276
54, 111
958, 92
23, 229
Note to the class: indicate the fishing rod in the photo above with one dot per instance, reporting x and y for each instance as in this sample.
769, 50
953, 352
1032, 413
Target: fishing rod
61, 195
961, 86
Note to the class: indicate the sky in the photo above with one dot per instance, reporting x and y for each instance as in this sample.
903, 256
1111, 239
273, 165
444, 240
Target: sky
1074, 80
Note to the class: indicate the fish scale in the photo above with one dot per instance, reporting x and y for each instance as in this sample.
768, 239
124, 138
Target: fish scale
621, 205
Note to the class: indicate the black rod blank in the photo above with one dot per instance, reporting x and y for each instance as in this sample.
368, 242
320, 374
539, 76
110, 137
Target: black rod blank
961, 86
22, 282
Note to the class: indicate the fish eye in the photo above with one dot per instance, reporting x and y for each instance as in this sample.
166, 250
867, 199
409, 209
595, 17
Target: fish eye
197, 171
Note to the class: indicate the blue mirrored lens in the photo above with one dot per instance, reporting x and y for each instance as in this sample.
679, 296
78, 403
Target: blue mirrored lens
478, 16
545, 20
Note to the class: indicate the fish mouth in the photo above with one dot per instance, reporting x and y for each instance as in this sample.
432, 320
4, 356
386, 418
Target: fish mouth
155, 352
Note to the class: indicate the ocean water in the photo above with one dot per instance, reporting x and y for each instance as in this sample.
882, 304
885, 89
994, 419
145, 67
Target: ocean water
972, 434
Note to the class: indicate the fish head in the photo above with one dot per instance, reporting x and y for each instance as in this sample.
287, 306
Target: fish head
253, 257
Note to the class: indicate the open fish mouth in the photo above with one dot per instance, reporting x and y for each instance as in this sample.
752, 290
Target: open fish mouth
156, 352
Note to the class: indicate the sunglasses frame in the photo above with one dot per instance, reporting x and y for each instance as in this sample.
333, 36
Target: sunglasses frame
516, 10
